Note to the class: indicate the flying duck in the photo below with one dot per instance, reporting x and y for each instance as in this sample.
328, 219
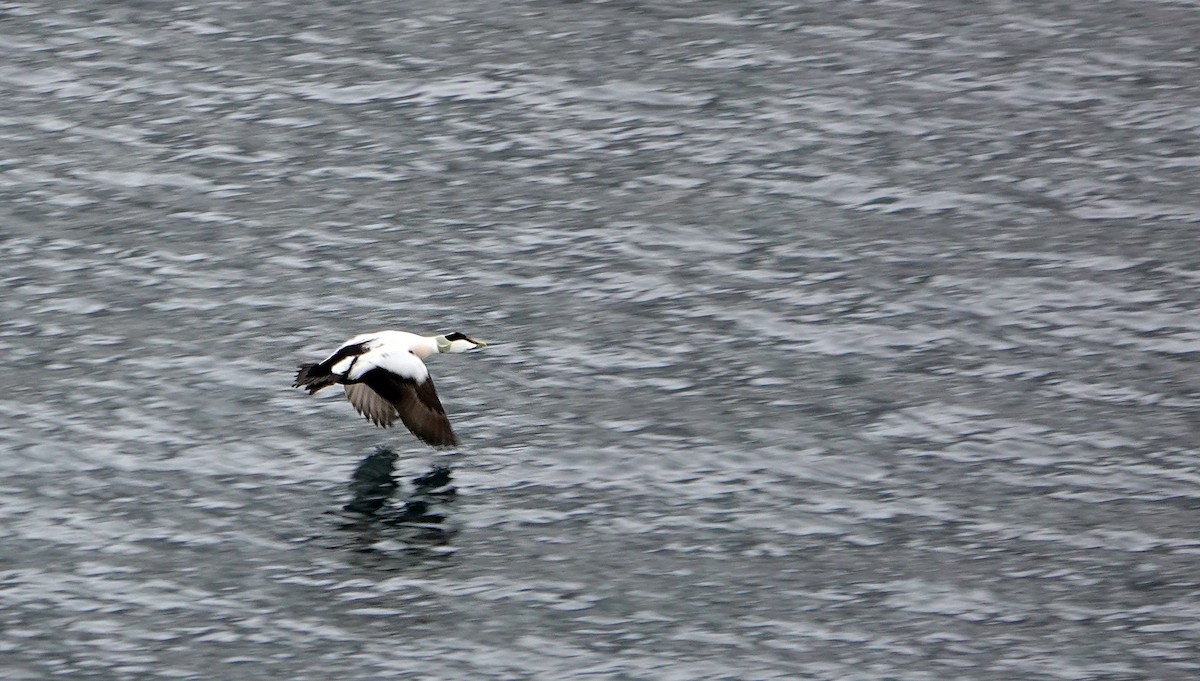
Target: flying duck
385, 378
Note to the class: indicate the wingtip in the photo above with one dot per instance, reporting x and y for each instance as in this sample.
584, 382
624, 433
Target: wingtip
375, 419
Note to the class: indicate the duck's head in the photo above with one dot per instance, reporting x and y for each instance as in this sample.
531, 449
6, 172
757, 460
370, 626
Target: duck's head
457, 342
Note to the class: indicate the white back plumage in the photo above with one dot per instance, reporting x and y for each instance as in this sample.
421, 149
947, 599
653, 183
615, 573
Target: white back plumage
393, 351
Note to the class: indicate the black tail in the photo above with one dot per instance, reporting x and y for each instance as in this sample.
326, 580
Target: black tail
312, 377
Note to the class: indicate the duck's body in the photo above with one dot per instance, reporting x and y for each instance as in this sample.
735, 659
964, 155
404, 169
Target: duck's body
385, 379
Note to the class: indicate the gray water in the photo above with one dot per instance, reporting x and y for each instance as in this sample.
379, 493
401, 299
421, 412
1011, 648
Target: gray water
850, 340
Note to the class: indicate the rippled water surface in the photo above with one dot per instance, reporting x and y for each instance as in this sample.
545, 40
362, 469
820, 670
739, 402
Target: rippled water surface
850, 340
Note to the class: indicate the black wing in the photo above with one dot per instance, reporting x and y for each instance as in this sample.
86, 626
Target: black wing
312, 377
416, 404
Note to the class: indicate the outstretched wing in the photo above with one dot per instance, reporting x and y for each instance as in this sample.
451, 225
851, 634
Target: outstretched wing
382, 395
371, 405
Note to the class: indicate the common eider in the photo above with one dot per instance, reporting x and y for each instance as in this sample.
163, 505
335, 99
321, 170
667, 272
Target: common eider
385, 378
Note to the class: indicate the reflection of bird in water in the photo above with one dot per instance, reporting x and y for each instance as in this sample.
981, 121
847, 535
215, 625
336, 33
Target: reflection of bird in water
385, 379
419, 517
373, 484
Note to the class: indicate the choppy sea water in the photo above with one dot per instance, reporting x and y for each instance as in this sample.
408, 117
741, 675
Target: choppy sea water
832, 341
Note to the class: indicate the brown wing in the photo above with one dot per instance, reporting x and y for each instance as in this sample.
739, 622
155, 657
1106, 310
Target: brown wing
417, 404
371, 404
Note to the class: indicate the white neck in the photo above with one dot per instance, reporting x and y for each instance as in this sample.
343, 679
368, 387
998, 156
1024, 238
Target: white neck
425, 346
